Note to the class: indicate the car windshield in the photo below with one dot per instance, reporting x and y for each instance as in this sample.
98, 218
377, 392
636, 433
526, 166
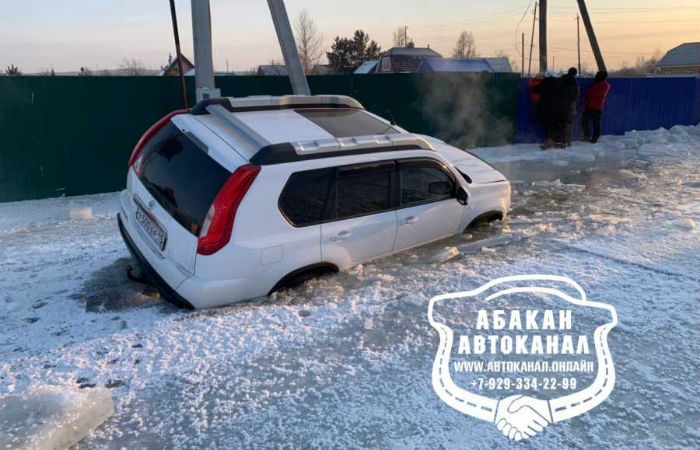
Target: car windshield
346, 122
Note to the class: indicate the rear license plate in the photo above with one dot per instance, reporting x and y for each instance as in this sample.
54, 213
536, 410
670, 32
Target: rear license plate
152, 229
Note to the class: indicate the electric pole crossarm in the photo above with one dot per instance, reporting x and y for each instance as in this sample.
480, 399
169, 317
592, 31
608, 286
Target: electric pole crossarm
591, 35
297, 78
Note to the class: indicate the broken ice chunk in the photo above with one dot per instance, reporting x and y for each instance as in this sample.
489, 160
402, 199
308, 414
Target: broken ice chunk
77, 212
445, 255
51, 417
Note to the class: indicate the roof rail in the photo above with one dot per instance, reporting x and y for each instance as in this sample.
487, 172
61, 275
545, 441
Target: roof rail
201, 107
268, 102
331, 148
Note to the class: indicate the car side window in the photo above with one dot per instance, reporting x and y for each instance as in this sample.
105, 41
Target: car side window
363, 189
303, 198
424, 181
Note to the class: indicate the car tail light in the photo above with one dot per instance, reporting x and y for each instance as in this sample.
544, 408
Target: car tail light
150, 133
218, 224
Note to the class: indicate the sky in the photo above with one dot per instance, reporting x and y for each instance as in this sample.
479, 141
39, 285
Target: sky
100, 34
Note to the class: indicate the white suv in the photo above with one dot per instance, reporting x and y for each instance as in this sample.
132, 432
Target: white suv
238, 197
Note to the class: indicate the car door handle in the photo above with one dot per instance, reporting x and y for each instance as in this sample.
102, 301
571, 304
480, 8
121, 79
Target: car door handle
341, 236
410, 220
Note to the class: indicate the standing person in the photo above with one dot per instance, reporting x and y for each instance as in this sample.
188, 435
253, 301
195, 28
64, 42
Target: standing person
533, 86
549, 91
570, 92
536, 115
593, 106
559, 112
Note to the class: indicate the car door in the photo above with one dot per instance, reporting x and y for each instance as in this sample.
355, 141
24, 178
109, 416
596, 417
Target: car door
428, 207
361, 221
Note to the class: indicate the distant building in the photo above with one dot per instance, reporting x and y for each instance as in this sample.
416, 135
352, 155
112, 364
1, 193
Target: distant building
366, 67
403, 59
684, 59
272, 69
465, 65
171, 69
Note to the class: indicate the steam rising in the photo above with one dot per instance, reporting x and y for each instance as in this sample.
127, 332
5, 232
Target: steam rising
468, 110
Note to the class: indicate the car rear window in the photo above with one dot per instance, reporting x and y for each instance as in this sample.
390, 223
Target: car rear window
346, 122
181, 176
304, 196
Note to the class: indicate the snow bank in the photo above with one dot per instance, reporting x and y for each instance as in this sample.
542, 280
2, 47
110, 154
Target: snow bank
661, 142
51, 418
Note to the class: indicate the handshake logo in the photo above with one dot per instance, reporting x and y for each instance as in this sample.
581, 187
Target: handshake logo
522, 416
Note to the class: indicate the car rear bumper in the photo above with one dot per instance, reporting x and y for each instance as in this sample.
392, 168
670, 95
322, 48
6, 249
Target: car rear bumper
168, 292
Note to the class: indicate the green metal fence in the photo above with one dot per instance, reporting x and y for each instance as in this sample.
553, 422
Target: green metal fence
74, 135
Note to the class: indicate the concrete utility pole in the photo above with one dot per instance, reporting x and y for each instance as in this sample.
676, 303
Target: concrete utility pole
543, 36
522, 56
297, 77
578, 42
178, 54
591, 35
203, 62
532, 39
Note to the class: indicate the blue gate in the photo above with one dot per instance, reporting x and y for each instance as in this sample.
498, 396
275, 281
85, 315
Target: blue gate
632, 104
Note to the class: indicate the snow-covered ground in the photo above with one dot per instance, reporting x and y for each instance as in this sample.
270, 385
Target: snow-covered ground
345, 361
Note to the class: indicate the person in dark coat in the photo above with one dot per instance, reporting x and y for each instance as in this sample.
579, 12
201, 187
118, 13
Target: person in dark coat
536, 114
570, 94
549, 91
593, 107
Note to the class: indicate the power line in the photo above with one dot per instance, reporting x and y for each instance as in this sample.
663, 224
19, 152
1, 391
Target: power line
634, 9
517, 27
566, 20
480, 19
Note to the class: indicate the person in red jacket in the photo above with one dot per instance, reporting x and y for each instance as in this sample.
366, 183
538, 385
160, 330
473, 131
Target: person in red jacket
593, 106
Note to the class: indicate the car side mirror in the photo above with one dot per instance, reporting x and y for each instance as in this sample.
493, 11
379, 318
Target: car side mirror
462, 196
440, 188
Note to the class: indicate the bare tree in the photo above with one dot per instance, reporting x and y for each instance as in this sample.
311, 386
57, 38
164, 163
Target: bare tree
401, 38
133, 67
47, 72
13, 70
641, 68
465, 47
309, 41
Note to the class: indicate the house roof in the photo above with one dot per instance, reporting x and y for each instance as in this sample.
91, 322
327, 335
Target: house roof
500, 64
687, 54
465, 65
366, 67
173, 65
422, 52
